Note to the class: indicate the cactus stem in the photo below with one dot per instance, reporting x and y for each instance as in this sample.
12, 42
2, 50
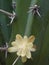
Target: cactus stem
30, 19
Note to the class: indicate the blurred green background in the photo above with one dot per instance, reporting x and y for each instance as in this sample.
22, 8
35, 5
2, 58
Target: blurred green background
26, 24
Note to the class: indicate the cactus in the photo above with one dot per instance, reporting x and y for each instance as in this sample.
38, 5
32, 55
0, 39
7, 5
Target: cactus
32, 18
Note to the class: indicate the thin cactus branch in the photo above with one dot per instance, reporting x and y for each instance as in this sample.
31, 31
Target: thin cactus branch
5, 12
4, 49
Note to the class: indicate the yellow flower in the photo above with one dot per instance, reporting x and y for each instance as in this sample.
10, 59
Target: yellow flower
23, 46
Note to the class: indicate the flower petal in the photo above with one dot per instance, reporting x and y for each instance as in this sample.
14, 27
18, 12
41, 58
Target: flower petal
33, 49
19, 52
31, 38
12, 49
13, 43
28, 54
18, 37
30, 45
24, 59
25, 37
23, 53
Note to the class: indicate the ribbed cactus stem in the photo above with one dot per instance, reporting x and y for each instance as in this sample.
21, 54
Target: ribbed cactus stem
30, 20
29, 24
